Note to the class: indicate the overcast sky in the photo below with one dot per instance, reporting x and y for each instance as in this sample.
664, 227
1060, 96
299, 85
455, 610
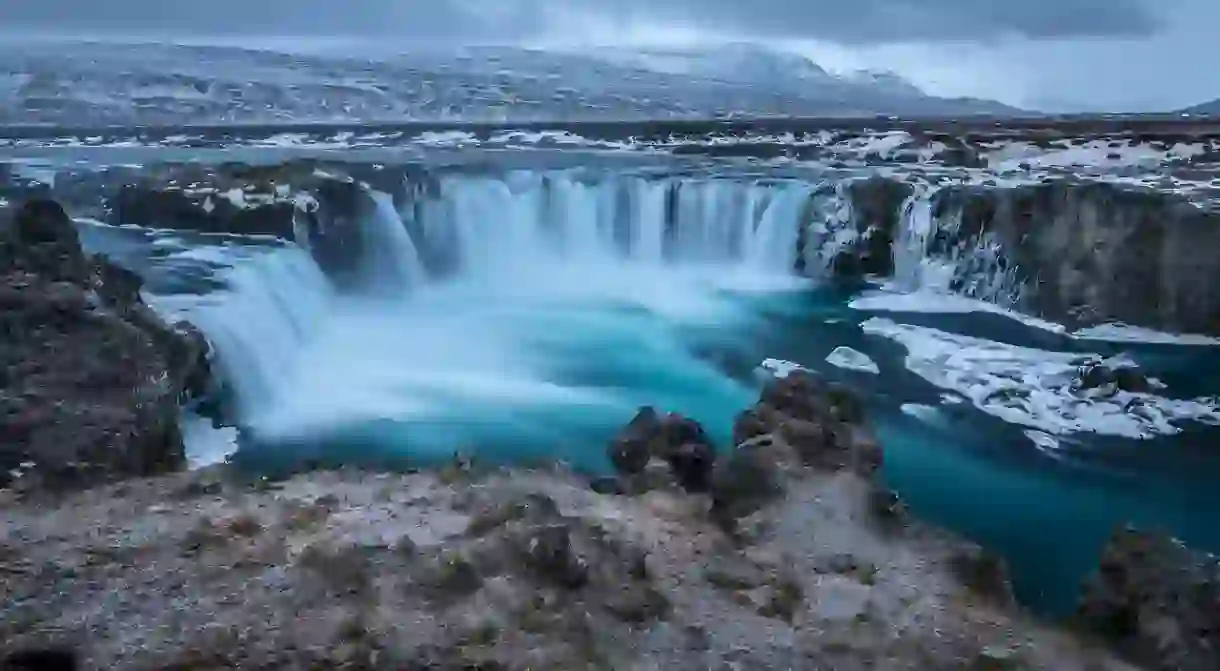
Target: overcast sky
1113, 54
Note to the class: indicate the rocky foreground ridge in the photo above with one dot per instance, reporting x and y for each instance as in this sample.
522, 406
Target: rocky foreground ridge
785, 551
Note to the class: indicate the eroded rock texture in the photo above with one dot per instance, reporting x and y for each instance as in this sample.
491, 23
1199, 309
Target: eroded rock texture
90, 378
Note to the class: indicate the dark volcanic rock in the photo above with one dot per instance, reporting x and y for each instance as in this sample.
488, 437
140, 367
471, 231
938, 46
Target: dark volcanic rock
1089, 252
162, 207
984, 573
751, 476
823, 423
630, 451
800, 421
1157, 602
337, 239
1112, 375
679, 441
876, 212
42, 659
90, 377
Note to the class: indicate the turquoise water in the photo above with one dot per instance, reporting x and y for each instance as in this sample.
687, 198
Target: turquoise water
547, 358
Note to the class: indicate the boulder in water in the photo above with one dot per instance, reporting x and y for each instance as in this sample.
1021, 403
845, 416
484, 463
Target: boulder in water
90, 377
1108, 376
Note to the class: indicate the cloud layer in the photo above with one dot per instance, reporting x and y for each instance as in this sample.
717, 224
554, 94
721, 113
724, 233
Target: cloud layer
845, 21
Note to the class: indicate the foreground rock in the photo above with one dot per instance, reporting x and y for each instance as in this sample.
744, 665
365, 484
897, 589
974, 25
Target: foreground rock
516, 570
90, 378
1157, 602
526, 569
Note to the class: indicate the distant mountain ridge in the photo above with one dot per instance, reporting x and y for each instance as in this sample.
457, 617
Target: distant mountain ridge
159, 84
1210, 107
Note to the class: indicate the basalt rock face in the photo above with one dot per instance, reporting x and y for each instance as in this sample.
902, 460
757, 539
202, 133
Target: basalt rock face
333, 232
876, 212
1157, 602
1089, 252
90, 378
153, 207
319, 207
664, 445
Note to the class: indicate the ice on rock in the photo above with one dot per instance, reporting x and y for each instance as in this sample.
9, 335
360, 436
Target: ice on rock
779, 368
846, 357
1037, 388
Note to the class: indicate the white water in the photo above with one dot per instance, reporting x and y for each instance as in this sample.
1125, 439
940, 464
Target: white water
575, 301
394, 259
970, 267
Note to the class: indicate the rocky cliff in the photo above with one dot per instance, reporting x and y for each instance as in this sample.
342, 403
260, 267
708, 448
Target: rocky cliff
1090, 252
1077, 252
90, 378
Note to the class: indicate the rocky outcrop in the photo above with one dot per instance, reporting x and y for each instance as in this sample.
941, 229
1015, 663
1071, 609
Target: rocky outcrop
876, 211
90, 378
1157, 602
1087, 252
324, 210
800, 421
653, 448
206, 211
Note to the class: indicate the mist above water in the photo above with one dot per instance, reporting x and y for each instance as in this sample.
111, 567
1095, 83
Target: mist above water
563, 305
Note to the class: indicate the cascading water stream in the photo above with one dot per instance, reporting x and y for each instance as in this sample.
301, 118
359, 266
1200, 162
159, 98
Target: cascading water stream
527, 307
394, 261
931, 254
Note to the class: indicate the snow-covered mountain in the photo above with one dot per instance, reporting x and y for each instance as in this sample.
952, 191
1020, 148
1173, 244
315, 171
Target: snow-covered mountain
738, 63
107, 83
1212, 108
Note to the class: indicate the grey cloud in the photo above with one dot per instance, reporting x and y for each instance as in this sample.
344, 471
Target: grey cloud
848, 21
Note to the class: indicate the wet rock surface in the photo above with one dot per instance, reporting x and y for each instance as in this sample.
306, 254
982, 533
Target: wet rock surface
91, 377
1099, 251
654, 449
1157, 602
877, 204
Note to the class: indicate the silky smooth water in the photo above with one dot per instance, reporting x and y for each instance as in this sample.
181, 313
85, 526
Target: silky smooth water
576, 301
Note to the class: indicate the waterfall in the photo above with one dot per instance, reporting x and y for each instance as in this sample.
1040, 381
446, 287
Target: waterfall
492, 224
272, 304
393, 259
460, 292
774, 239
913, 267
932, 252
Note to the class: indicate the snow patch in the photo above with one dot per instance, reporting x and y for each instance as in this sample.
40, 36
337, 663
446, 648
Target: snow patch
1011, 156
1036, 388
1136, 334
779, 368
207, 445
846, 357
924, 413
935, 302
